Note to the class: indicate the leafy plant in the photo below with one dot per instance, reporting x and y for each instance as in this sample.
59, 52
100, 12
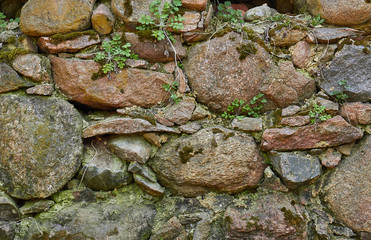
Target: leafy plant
239, 108
165, 17
4, 23
227, 14
114, 55
339, 95
318, 114
315, 21
172, 88
281, 20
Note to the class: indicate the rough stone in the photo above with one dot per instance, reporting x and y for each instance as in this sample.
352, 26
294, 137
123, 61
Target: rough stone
102, 19
333, 132
150, 187
124, 126
133, 63
260, 13
197, 5
248, 124
212, 159
356, 112
130, 148
102, 170
296, 168
199, 113
330, 158
181, 113
357, 76
190, 128
290, 110
172, 229
42, 90
273, 216
143, 170
154, 139
8, 208
52, 46
284, 37
333, 35
296, 121
36, 206
343, 12
138, 112
144, 89
301, 54
7, 36
34, 66
346, 149
347, 191
155, 51
7, 230
272, 182
190, 22
40, 145
10, 80
217, 86
330, 106
43, 17
27, 43
126, 216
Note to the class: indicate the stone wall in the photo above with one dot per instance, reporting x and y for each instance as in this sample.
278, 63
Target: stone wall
251, 129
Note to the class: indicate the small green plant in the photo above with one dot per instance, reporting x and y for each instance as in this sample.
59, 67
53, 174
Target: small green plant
172, 88
114, 55
4, 23
315, 21
339, 95
165, 17
281, 20
227, 14
240, 109
318, 114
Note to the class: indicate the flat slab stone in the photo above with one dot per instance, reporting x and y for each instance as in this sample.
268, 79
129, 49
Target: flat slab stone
248, 124
40, 145
333, 132
124, 126
332, 35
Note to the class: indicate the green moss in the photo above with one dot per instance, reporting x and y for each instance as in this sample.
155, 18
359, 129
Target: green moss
145, 35
128, 8
245, 50
292, 219
9, 56
185, 154
253, 223
58, 38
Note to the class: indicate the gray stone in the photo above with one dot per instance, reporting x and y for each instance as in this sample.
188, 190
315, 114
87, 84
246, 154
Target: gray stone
129, 215
357, 76
212, 159
260, 13
190, 128
199, 113
42, 90
296, 168
347, 191
143, 170
248, 124
272, 182
34, 66
150, 187
10, 80
8, 208
332, 35
7, 36
36, 206
330, 106
40, 145
7, 230
102, 170
181, 113
290, 110
130, 148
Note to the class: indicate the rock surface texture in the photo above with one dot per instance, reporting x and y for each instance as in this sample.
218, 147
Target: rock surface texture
212, 159
40, 145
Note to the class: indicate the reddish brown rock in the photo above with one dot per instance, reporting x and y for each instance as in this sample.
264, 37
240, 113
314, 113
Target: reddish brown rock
124, 126
52, 46
190, 22
213, 159
273, 216
333, 132
341, 12
296, 121
330, 106
301, 54
34, 66
130, 86
102, 19
155, 51
44, 17
181, 113
240, 6
356, 112
332, 35
284, 37
330, 158
218, 83
197, 5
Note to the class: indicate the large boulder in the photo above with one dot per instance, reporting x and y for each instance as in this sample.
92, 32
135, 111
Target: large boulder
40, 145
214, 158
43, 17
341, 12
357, 76
247, 69
347, 191
129, 87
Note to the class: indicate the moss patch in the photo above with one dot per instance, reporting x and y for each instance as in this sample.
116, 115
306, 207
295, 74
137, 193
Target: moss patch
9, 56
128, 8
245, 50
58, 38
